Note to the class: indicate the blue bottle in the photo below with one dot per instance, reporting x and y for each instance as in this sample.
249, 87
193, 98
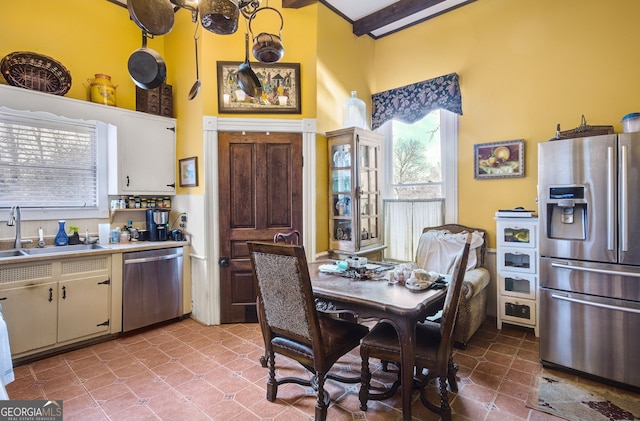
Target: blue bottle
62, 239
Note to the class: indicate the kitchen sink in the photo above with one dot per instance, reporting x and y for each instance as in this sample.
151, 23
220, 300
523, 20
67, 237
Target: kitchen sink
12, 253
62, 249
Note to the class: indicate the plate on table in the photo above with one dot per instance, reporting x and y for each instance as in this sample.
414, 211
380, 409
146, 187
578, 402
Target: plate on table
419, 286
329, 269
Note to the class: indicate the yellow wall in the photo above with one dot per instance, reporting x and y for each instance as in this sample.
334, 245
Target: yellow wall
344, 64
524, 66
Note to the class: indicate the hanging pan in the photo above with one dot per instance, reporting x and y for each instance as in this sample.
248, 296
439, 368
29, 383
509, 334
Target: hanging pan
146, 67
247, 79
155, 17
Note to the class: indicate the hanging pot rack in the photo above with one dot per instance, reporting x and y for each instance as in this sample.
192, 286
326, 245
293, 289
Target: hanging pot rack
247, 7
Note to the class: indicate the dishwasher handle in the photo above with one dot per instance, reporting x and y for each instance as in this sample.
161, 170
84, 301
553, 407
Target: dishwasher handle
152, 259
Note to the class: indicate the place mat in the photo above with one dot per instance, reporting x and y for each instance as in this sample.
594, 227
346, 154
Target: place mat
577, 399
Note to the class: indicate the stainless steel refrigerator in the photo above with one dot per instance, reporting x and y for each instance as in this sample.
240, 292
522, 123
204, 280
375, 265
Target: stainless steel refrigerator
589, 210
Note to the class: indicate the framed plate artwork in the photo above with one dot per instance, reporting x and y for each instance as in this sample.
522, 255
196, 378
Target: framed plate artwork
280, 89
498, 159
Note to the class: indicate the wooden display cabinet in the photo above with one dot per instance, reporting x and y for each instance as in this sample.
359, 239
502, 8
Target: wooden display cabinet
355, 206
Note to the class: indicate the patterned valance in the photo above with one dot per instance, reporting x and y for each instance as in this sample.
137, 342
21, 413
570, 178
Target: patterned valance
412, 102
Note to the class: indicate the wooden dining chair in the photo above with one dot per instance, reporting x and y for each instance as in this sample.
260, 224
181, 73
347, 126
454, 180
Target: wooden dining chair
292, 325
434, 345
292, 237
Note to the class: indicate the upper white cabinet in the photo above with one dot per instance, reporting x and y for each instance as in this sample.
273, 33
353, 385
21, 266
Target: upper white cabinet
142, 157
142, 154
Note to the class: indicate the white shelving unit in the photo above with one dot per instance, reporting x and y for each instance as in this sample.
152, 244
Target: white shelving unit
517, 263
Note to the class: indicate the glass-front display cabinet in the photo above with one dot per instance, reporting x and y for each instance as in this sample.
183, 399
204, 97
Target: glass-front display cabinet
355, 206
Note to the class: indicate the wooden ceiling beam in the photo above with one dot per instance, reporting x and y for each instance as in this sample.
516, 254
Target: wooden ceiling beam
389, 14
296, 4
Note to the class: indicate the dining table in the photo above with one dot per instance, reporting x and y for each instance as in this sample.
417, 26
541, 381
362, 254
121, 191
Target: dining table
378, 299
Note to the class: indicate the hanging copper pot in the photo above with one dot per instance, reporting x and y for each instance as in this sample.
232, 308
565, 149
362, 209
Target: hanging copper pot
219, 16
267, 48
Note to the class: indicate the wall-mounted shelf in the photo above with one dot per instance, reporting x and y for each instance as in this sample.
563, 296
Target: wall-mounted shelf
113, 212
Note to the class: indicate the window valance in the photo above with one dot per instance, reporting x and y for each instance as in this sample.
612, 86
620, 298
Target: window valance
412, 102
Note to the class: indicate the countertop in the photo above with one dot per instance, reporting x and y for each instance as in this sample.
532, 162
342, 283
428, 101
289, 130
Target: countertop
109, 249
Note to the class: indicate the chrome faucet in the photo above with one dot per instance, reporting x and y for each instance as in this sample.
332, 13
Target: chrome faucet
14, 219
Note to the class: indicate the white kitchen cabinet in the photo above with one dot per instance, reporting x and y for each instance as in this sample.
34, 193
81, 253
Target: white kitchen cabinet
83, 307
142, 157
55, 303
142, 154
31, 313
517, 263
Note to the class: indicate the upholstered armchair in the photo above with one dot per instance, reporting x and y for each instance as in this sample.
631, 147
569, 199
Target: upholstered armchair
436, 251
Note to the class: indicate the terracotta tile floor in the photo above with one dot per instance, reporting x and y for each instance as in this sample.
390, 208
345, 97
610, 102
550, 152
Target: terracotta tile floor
187, 371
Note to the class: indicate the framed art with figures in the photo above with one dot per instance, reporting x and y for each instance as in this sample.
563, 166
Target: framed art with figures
280, 89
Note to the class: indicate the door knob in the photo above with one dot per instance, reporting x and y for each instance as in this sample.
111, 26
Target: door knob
224, 261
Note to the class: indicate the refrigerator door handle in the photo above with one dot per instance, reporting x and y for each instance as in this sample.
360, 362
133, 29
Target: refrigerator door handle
624, 191
595, 270
595, 304
610, 199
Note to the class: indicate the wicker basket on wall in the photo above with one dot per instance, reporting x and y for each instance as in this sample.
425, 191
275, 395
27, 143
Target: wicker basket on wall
36, 72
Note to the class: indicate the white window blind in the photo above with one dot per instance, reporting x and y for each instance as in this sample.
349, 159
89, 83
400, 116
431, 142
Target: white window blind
47, 162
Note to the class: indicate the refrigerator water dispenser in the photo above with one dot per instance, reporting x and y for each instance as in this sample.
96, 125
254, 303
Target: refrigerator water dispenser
567, 210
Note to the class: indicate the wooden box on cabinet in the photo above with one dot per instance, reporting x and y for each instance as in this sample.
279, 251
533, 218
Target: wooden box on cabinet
157, 101
355, 206
517, 267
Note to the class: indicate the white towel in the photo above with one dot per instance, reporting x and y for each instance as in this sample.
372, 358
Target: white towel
6, 365
437, 250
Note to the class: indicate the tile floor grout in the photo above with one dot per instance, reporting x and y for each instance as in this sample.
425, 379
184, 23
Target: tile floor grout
185, 370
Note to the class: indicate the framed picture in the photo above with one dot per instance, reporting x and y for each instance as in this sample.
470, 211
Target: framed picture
189, 172
499, 159
280, 89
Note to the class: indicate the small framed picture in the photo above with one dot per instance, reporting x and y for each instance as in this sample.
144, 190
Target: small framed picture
189, 172
499, 159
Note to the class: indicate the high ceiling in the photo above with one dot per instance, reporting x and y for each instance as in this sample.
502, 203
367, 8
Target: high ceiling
378, 18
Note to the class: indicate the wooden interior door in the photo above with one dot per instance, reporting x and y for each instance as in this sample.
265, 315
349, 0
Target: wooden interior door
260, 184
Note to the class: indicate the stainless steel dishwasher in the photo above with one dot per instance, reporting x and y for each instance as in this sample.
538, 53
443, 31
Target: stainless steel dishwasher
152, 287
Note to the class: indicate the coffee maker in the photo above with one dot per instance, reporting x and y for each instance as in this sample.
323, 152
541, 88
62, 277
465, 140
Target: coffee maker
157, 224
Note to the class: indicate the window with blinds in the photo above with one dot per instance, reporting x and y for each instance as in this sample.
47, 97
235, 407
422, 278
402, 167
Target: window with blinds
49, 162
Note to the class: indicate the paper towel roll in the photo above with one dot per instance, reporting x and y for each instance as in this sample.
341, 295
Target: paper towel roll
104, 233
